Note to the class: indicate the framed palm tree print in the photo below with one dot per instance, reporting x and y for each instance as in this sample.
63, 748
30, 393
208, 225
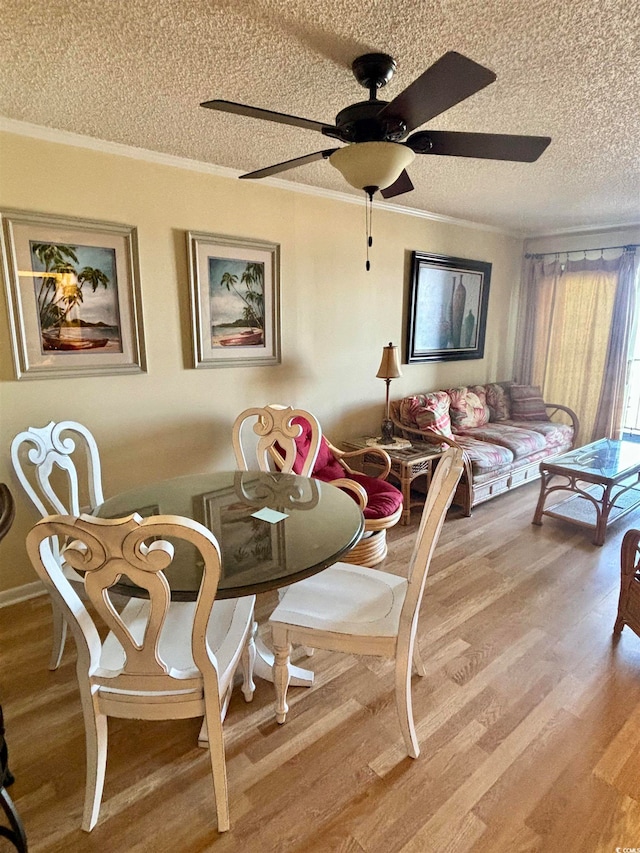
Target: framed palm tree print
73, 295
235, 301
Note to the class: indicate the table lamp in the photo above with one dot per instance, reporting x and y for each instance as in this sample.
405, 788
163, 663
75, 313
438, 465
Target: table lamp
389, 369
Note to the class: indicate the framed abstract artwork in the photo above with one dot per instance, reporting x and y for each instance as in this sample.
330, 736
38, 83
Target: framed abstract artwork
448, 301
235, 301
73, 295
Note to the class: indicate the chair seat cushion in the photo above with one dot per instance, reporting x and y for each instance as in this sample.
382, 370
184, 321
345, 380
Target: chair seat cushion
227, 623
383, 499
345, 599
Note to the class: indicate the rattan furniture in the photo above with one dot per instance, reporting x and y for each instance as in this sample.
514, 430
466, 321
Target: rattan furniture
408, 461
629, 602
603, 479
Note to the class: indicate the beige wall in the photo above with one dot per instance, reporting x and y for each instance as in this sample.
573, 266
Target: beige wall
335, 316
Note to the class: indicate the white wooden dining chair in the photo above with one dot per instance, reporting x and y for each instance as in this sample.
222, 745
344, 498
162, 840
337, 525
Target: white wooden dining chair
364, 611
58, 466
275, 445
161, 659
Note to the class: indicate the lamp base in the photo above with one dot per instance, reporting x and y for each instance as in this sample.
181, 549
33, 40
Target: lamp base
386, 432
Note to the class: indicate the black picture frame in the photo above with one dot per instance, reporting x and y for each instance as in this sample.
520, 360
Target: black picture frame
448, 301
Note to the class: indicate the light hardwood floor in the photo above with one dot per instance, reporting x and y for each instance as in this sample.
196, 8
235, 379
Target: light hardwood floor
529, 722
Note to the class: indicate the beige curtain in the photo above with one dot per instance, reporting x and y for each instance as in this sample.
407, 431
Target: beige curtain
613, 396
575, 327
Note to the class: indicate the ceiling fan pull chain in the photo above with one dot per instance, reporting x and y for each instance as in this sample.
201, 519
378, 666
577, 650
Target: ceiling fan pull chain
368, 215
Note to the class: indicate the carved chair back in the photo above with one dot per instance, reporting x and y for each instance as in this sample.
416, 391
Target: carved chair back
276, 438
104, 550
47, 461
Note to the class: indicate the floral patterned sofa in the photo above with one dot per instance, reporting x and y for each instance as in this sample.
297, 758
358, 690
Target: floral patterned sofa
504, 430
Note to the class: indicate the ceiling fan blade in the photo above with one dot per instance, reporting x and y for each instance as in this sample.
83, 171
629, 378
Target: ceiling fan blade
450, 79
401, 185
487, 146
290, 164
268, 115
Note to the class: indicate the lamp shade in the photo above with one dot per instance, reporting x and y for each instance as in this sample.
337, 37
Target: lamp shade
371, 164
390, 364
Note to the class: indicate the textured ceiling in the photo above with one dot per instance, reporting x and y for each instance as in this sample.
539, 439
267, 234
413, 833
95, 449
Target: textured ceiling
134, 72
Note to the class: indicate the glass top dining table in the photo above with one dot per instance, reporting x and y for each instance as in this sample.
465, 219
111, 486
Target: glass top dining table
273, 529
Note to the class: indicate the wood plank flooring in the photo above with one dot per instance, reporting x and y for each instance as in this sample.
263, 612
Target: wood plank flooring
528, 719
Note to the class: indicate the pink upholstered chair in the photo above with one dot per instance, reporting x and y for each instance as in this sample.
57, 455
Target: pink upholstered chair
380, 501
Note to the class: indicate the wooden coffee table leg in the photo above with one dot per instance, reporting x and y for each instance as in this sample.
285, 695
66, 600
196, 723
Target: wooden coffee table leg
544, 482
602, 517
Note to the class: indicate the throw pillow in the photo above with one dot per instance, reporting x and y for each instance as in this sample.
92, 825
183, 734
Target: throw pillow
408, 406
527, 403
433, 413
481, 392
467, 410
498, 402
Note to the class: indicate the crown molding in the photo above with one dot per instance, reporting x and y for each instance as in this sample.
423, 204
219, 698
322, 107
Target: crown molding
77, 140
583, 230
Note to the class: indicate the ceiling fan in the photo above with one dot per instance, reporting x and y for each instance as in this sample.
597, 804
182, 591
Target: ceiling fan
378, 147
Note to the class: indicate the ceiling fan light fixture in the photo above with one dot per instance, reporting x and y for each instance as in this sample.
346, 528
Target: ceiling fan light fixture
372, 164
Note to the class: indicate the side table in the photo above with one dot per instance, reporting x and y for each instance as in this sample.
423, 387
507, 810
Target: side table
407, 463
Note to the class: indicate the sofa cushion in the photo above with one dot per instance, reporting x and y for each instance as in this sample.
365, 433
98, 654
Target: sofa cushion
527, 403
483, 455
498, 402
555, 434
467, 409
520, 440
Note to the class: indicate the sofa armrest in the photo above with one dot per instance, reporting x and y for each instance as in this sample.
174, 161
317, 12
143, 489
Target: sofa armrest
558, 407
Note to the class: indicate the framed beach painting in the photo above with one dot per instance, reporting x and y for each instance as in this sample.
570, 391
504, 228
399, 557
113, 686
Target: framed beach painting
235, 301
73, 294
448, 301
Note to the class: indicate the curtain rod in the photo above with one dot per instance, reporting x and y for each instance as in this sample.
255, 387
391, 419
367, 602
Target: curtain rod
629, 247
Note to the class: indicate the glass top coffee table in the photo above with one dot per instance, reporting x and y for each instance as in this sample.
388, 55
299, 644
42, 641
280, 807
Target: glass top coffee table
603, 479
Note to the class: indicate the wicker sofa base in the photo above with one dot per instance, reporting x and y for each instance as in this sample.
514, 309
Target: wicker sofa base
470, 494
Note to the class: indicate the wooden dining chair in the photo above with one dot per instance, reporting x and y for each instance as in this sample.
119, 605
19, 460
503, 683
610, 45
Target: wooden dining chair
161, 659
274, 439
364, 611
58, 466
15, 831
380, 501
